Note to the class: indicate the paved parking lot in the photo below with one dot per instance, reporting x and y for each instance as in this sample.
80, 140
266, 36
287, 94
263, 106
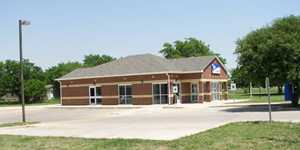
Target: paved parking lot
151, 122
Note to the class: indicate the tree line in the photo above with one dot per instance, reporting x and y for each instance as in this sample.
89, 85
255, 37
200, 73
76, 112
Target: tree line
36, 79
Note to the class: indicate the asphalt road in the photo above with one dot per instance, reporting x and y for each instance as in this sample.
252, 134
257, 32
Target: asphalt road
153, 122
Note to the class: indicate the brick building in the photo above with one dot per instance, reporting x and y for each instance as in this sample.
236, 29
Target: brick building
146, 79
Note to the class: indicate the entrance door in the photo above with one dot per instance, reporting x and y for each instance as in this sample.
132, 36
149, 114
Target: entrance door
215, 90
95, 95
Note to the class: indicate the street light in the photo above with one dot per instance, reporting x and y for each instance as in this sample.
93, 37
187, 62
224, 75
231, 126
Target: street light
22, 23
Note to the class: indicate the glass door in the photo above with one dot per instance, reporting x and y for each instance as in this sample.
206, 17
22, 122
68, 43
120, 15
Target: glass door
95, 95
215, 90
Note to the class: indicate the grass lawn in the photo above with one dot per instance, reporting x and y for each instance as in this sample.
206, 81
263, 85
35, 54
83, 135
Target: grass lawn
14, 103
258, 96
243, 135
16, 124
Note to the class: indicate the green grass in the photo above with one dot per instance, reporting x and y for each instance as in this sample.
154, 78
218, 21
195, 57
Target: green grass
16, 124
258, 96
243, 135
16, 103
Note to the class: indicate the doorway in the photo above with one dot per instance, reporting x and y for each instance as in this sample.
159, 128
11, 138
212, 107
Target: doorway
95, 95
176, 92
215, 90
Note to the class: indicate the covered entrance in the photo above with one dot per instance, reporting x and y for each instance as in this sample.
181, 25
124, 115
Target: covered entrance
215, 90
176, 92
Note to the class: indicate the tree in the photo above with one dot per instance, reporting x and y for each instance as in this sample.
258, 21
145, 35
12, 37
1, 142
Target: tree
2, 87
188, 48
34, 90
58, 71
272, 51
239, 76
94, 60
10, 76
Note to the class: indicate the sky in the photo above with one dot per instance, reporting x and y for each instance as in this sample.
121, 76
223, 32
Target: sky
66, 30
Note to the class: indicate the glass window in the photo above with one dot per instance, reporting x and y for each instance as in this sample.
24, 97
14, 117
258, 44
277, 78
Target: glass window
160, 93
164, 99
92, 91
98, 91
156, 89
128, 90
194, 92
125, 94
164, 88
156, 99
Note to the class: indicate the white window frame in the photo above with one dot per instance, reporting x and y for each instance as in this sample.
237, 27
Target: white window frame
160, 95
95, 96
119, 99
194, 94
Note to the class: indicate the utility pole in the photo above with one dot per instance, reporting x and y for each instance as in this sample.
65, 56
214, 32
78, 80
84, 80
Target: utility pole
251, 90
22, 22
269, 99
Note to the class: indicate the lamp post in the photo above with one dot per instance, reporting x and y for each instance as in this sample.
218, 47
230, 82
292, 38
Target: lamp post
22, 23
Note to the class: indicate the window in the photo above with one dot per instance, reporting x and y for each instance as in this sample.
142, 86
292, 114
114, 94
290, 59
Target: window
194, 92
95, 95
125, 96
160, 93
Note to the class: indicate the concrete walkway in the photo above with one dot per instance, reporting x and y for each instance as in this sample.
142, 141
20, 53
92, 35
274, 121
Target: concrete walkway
145, 122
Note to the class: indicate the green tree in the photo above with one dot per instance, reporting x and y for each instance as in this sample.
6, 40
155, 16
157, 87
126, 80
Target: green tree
2, 87
188, 48
10, 76
272, 51
57, 71
239, 76
34, 90
94, 60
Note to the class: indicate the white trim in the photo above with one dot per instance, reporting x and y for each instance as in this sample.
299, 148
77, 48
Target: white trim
121, 75
95, 95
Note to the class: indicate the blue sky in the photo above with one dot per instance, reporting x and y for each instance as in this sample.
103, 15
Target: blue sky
67, 30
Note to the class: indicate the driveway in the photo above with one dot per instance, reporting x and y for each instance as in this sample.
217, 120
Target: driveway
150, 122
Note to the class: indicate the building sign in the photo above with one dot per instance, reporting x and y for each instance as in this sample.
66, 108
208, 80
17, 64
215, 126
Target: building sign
233, 87
216, 68
175, 89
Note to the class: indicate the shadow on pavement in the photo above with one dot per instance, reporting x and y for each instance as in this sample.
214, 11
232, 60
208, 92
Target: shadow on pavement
259, 108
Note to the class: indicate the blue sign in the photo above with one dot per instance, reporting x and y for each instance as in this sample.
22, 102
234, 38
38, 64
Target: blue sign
216, 68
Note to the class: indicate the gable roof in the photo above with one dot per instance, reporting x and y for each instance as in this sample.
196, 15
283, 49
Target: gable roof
141, 64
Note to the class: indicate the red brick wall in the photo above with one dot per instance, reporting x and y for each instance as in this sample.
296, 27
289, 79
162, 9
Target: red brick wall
207, 72
142, 101
142, 89
75, 102
75, 91
110, 90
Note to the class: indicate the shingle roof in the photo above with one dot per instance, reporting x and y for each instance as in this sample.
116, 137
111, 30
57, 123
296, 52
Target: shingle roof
141, 64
